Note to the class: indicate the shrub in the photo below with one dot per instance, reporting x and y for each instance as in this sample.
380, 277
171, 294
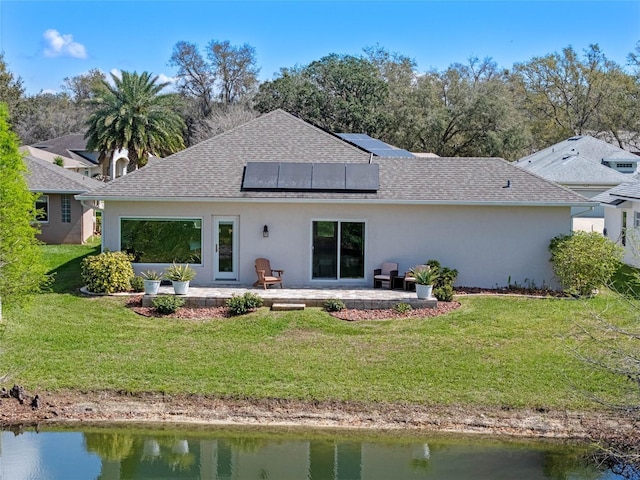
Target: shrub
334, 305
108, 272
167, 304
241, 304
402, 308
584, 261
137, 284
443, 285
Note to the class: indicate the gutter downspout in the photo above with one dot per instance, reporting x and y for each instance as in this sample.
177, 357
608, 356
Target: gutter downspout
590, 209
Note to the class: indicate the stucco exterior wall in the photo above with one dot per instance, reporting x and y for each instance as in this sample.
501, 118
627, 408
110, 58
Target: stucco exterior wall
613, 224
77, 231
489, 246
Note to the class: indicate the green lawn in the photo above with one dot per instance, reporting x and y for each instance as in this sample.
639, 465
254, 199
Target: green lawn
493, 351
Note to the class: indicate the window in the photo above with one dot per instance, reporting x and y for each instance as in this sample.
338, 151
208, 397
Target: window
162, 240
42, 209
65, 208
338, 250
636, 219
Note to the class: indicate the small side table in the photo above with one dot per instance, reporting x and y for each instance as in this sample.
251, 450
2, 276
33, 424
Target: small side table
409, 283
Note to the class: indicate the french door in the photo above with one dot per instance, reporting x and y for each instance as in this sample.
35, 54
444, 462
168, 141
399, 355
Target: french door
225, 250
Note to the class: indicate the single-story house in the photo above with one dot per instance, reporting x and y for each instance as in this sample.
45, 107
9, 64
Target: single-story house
62, 218
622, 218
329, 212
584, 164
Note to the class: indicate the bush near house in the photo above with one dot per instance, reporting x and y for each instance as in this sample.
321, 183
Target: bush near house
446, 277
584, 261
108, 272
241, 304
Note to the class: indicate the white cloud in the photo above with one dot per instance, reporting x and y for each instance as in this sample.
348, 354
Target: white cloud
62, 45
116, 72
162, 78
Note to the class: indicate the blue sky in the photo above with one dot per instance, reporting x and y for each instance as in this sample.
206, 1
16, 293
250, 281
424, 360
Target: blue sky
46, 41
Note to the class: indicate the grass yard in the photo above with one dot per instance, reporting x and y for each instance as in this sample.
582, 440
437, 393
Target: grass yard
493, 351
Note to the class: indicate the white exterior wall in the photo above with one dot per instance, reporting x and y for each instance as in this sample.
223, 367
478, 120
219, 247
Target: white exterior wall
489, 246
613, 225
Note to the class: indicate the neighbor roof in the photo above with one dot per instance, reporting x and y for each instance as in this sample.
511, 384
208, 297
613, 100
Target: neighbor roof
45, 177
73, 145
51, 157
578, 161
213, 170
619, 194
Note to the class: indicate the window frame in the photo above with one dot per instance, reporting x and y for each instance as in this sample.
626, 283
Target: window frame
46, 209
65, 208
163, 218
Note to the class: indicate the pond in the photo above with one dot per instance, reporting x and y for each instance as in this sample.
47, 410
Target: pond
247, 453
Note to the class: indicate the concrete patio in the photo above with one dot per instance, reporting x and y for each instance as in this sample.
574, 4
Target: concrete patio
365, 298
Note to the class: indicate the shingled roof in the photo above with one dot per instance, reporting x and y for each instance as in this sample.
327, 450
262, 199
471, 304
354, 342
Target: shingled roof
45, 177
213, 170
579, 161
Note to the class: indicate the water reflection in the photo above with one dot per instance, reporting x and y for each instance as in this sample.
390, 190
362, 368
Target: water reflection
242, 455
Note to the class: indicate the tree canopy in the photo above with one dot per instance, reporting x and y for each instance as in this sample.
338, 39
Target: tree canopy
21, 268
132, 114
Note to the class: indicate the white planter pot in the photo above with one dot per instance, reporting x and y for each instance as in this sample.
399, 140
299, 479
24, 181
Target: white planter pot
151, 287
180, 288
424, 291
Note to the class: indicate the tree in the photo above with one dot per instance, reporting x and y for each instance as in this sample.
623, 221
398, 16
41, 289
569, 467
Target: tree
21, 268
195, 77
227, 76
49, 115
11, 89
234, 69
564, 95
133, 115
82, 87
340, 93
468, 110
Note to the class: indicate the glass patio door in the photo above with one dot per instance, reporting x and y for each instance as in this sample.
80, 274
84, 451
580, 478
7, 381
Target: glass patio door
225, 257
338, 250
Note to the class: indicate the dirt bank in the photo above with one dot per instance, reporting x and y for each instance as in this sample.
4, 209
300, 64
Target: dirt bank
75, 407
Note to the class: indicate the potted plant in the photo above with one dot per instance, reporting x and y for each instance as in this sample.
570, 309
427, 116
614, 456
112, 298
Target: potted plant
152, 280
425, 278
180, 276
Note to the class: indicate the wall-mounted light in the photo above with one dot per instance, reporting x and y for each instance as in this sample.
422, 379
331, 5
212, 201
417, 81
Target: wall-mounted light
265, 231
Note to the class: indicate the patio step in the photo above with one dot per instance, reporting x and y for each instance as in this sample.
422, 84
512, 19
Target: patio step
287, 306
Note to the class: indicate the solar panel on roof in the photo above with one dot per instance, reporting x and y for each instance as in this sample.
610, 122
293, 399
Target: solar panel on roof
311, 176
261, 175
362, 176
375, 146
328, 176
294, 176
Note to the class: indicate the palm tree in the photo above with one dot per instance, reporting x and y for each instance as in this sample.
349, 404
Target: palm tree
132, 114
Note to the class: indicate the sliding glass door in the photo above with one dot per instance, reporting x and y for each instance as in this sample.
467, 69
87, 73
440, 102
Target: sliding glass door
338, 250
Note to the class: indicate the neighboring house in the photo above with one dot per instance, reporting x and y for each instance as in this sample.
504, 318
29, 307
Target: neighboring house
584, 164
329, 213
86, 162
622, 218
63, 219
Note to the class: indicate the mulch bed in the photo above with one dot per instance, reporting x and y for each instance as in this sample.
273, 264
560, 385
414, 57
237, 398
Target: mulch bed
348, 314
